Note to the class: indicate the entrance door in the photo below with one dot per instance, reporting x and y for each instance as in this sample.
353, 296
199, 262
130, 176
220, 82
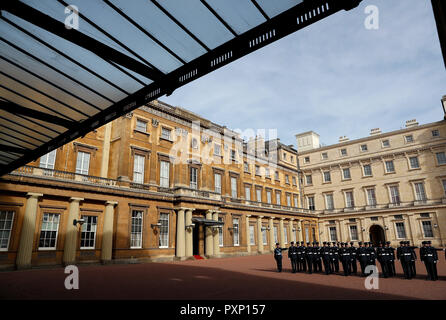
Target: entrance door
196, 240
377, 235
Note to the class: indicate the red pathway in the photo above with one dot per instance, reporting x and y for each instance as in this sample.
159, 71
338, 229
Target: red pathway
251, 277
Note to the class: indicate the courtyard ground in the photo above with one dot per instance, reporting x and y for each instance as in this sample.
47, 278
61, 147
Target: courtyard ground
249, 277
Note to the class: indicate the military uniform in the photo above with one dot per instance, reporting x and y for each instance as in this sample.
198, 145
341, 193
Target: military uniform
353, 257
344, 254
383, 258
326, 252
278, 257
292, 255
372, 257
317, 258
405, 257
301, 264
361, 253
309, 257
391, 261
429, 256
413, 256
335, 258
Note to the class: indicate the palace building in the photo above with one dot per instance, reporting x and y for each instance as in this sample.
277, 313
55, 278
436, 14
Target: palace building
385, 187
157, 184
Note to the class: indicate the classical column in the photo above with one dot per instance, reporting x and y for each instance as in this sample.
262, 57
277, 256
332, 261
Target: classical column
69, 254
248, 236
107, 233
339, 231
180, 245
272, 244
24, 253
290, 231
259, 234
300, 230
387, 226
209, 237
282, 233
415, 236
189, 233
216, 236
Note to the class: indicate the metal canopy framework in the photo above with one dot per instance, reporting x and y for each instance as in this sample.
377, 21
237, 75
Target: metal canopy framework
58, 84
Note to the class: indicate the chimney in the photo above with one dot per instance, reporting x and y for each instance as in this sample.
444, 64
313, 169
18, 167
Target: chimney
343, 139
411, 123
375, 131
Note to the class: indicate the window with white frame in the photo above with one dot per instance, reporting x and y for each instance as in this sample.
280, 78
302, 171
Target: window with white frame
427, 229
441, 158
346, 173
217, 182
285, 234
138, 168
435, 133
48, 160
164, 174
349, 201
88, 232
390, 167
259, 195
252, 239
164, 230
363, 147
343, 152
394, 195
333, 234
444, 186
82, 162
257, 170
268, 196
354, 233
309, 179
235, 225
311, 203
278, 198
233, 155
420, 194
234, 187
307, 234
264, 236
400, 230
296, 202
327, 176
276, 175
294, 181
287, 179
288, 200
246, 167
248, 193
329, 202
267, 172
6, 220
276, 236
371, 197
409, 138
193, 178
136, 229
386, 143
194, 143
307, 159
166, 134
414, 163
220, 233
217, 149
324, 155
367, 170
49, 231
141, 125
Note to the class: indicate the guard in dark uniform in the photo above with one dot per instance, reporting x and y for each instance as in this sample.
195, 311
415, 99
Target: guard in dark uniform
335, 258
382, 257
429, 256
278, 256
405, 257
326, 252
413, 269
301, 264
391, 262
353, 263
317, 258
361, 254
344, 254
309, 257
292, 255
372, 258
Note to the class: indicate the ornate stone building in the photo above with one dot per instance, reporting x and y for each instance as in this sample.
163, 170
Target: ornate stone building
153, 185
388, 186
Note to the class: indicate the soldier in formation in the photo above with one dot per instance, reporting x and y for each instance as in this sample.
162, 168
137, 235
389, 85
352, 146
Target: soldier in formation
292, 255
278, 256
326, 257
335, 258
301, 264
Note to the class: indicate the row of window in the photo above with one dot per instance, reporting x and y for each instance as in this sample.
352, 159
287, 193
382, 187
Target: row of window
385, 143
399, 228
267, 174
367, 168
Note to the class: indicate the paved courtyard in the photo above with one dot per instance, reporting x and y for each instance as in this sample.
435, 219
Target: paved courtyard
250, 277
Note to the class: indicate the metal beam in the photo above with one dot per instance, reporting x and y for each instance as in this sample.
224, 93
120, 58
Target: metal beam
439, 8
16, 109
4, 147
46, 22
219, 17
254, 2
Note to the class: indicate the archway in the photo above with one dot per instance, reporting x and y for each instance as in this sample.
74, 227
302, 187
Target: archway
377, 235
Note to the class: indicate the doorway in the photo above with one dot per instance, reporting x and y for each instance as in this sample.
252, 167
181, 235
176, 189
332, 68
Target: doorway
377, 235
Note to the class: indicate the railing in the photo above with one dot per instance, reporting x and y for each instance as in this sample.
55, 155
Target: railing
189, 192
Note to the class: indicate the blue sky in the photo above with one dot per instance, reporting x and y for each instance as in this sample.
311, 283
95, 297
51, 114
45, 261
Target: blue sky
334, 77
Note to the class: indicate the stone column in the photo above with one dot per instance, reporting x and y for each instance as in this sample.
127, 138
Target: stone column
180, 245
415, 236
259, 234
339, 231
209, 244
107, 233
189, 233
69, 254
290, 231
387, 228
272, 244
300, 230
282, 233
216, 236
25, 250
248, 236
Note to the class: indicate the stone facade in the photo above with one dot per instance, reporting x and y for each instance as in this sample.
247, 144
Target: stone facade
388, 186
147, 186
